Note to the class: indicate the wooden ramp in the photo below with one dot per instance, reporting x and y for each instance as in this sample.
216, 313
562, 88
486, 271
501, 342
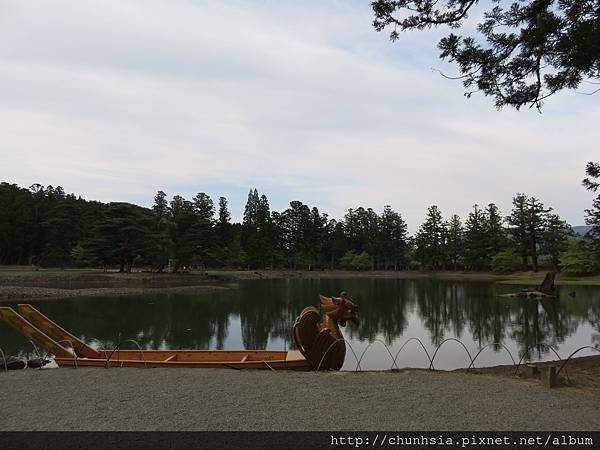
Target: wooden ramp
22, 326
56, 332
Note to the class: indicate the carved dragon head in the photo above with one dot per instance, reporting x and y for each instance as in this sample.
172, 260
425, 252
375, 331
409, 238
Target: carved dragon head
340, 309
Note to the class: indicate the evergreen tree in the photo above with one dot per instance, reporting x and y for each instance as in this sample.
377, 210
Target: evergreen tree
430, 240
495, 233
204, 208
121, 236
182, 232
519, 227
455, 241
592, 217
316, 237
256, 231
224, 228
161, 249
536, 228
392, 239
555, 236
296, 226
476, 252
521, 52
161, 205
362, 230
528, 221
592, 170
336, 244
249, 227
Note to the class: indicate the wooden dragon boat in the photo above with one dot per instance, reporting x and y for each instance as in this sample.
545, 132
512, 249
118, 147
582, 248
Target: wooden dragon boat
320, 345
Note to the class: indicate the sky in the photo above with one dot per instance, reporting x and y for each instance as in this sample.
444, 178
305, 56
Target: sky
114, 100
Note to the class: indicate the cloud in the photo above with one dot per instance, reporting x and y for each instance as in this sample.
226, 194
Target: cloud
303, 100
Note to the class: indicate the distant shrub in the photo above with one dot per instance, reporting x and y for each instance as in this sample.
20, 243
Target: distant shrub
545, 262
346, 260
353, 260
577, 259
506, 261
362, 261
82, 257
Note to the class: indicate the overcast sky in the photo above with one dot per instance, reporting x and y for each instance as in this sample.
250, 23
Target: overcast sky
114, 100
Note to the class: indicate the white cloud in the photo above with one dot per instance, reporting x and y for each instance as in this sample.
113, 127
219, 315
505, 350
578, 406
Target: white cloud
114, 100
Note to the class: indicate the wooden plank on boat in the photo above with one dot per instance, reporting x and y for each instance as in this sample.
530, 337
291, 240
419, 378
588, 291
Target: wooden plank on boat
245, 357
29, 331
171, 358
294, 355
303, 365
56, 332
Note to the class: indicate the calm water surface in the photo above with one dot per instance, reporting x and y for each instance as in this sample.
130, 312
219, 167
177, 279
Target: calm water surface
258, 314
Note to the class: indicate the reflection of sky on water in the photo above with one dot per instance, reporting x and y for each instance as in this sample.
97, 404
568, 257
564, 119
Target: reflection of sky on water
259, 314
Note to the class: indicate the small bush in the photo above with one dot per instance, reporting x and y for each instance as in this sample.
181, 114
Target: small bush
353, 260
577, 259
346, 260
506, 261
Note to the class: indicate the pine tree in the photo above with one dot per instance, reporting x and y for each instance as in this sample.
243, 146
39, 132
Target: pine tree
337, 244
161, 247
519, 227
430, 240
455, 241
528, 220
316, 237
204, 207
392, 238
494, 231
536, 228
202, 233
256, 231
592, 217
182, 232
555, 236
224, 229
476, 253
161, 205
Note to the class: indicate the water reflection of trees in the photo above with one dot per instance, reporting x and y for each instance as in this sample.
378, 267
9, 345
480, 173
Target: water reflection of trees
266, 310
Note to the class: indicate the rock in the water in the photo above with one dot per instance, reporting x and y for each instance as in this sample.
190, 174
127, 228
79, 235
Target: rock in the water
547, 286
12, 363
36, 363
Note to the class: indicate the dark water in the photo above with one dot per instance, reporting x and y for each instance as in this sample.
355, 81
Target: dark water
259, 314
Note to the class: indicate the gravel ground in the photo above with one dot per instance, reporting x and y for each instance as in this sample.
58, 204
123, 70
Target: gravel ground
214, 399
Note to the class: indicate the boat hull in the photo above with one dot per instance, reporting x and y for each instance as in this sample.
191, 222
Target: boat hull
231, 359
69, 350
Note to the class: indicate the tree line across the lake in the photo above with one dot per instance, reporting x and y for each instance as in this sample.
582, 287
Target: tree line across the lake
44, 226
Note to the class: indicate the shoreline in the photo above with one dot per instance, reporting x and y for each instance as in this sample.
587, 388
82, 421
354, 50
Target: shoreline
47, 284
10, 293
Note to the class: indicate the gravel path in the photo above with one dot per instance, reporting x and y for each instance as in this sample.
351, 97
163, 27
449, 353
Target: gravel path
214, 399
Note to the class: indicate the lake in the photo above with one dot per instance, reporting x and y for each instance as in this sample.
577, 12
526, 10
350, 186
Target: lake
258, 314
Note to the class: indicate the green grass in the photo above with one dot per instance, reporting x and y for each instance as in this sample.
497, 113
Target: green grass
593, 280
222, 272
28, 270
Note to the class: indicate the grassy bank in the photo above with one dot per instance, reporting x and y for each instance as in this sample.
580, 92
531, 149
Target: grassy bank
24, 274
561, 280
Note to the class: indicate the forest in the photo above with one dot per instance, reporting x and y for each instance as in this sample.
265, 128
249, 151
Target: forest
43, 226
